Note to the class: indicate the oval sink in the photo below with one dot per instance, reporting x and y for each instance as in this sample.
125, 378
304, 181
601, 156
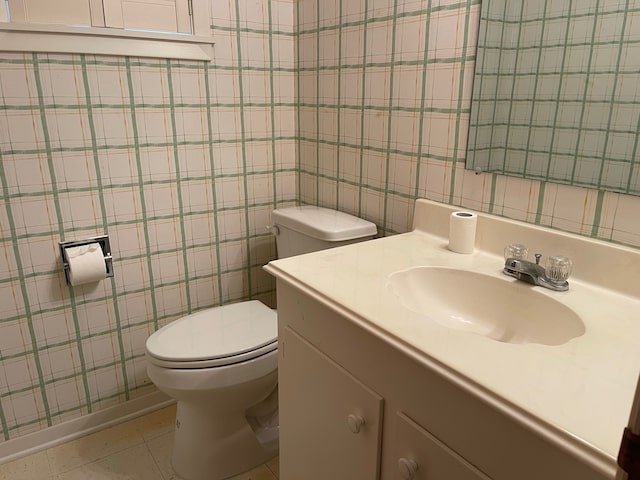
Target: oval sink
511, 312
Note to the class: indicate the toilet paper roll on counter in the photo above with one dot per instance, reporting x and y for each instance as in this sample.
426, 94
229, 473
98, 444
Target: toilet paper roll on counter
462, 232
86, 264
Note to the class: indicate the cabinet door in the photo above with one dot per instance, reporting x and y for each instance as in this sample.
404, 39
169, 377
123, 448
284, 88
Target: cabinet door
418, 455
330, 423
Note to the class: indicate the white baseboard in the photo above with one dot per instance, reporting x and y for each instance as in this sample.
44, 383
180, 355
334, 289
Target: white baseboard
78, 427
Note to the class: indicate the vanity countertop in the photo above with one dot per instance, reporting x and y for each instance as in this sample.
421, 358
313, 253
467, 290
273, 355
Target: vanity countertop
577, 394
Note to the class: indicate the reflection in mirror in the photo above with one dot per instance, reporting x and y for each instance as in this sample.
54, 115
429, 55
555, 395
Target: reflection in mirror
556, 92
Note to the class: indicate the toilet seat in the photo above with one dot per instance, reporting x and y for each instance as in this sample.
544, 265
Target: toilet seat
215, 337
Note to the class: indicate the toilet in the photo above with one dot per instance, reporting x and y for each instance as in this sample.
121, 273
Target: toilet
220, 364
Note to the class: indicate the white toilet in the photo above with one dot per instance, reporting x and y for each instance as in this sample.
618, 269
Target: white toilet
220, 364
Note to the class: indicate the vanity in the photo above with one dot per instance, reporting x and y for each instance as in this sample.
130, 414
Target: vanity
374, 384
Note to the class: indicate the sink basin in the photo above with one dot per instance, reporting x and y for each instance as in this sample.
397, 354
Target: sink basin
499, 309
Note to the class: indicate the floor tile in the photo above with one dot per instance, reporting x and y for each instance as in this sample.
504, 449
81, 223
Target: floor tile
161, 449
260, 473
136, 450
135, 463
157, 423
27, 468
90, 448
274, 466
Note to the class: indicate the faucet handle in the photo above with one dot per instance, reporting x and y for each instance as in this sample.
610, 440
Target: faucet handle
516, 251
558, 268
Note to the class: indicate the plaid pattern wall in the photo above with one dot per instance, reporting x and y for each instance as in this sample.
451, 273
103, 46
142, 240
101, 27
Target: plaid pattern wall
182, 162
384, 89
556, 92
179, 162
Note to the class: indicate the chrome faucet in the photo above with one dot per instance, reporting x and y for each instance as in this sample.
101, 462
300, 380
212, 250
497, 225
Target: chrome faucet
553, 277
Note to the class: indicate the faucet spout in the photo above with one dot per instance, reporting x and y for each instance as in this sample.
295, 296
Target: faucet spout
532, 273
523, 270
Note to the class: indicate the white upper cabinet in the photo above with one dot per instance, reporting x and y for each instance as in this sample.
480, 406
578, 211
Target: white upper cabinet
172, 16
51, 12
145, 28
158, 15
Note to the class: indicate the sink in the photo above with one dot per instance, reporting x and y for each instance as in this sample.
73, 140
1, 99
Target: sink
499, 309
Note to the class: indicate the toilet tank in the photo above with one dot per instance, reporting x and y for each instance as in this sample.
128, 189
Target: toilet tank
308, 229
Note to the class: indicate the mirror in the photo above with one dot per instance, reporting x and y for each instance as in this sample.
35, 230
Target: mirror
556, 93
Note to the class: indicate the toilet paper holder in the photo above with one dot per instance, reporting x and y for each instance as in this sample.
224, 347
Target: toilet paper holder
102, 240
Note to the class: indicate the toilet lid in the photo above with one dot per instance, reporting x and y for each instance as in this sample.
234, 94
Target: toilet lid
226, 332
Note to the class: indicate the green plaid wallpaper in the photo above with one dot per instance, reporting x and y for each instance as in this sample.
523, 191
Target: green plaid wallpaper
180, 162
384, 89
556, 92
357, 104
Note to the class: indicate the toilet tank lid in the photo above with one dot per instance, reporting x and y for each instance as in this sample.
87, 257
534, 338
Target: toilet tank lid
324, 223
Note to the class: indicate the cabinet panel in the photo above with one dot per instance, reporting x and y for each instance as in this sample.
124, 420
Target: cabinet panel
60, 12
418, 455
153, 15
321, 406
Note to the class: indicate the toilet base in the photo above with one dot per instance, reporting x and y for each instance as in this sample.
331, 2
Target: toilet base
214, 446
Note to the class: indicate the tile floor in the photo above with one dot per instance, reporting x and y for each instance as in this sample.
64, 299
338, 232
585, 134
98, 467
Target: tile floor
136, 450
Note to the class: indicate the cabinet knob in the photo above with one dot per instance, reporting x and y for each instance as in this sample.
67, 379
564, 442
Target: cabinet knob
355, 422
408, 468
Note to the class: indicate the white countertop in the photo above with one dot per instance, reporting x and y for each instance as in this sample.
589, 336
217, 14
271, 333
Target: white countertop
580, 393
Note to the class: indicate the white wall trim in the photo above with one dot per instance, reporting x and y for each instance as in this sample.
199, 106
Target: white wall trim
78, 427
103, 41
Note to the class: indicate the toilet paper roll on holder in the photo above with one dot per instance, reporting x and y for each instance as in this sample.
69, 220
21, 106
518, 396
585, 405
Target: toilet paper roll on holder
102, 240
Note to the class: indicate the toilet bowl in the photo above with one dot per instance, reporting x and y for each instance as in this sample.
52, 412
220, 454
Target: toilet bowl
217, 364
220, 364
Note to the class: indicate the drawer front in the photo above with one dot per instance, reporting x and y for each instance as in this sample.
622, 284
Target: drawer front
418, 455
